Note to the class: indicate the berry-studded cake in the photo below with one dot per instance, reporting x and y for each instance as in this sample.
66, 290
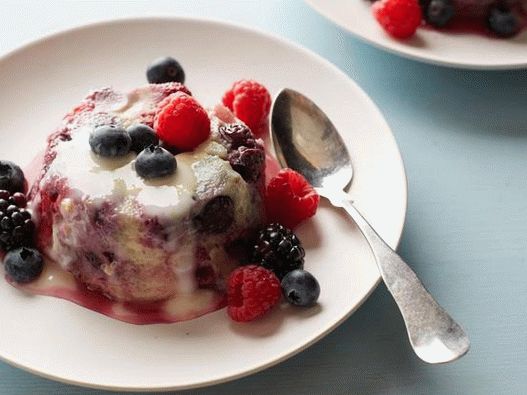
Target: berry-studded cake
140, 238
145, 204
500, 18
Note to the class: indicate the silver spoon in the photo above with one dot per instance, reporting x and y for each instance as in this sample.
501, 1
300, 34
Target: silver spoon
306, 141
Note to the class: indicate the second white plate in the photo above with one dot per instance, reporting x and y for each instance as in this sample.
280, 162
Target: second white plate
470, 51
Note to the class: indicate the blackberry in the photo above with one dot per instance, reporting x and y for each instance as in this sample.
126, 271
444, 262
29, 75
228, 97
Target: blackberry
248, 162
237, 135
278, 249
16, 225
246, 155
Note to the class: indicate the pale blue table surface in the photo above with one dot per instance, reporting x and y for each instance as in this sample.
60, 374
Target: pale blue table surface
463, 137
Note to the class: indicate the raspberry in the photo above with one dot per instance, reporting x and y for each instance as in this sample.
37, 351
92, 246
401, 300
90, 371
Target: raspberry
159, 93
290, 199
250, 101
252, 292
181, 122
400, 18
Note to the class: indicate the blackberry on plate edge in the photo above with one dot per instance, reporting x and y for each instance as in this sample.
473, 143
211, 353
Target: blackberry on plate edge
16, 225
278, 249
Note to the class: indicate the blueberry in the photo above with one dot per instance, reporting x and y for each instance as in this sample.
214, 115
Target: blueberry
154, 162
300, 288
503, 22
165, 69
24, 264
439, 12
216, 216
110, 141
142, 136
11, 177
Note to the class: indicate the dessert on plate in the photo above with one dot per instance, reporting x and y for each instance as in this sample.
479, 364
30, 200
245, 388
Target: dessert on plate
147, 207
142, 239
498, 18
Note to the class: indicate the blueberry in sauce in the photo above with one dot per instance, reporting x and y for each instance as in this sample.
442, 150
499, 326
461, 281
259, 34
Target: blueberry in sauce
23, 265
439, 13
110, 141
142, 136
503, 22
154, 162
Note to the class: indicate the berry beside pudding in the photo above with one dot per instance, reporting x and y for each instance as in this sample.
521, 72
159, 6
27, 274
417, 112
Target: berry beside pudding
145, 204
498, 18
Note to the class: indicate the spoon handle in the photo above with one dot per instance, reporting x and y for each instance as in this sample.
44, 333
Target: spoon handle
434, 335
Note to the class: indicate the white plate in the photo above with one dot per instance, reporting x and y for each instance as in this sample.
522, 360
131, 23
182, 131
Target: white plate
63, 341
470, 51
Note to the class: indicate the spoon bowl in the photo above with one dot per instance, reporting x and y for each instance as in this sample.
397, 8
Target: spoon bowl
317, 151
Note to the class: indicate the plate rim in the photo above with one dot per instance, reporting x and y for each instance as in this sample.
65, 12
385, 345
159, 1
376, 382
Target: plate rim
28, 44
432, 60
